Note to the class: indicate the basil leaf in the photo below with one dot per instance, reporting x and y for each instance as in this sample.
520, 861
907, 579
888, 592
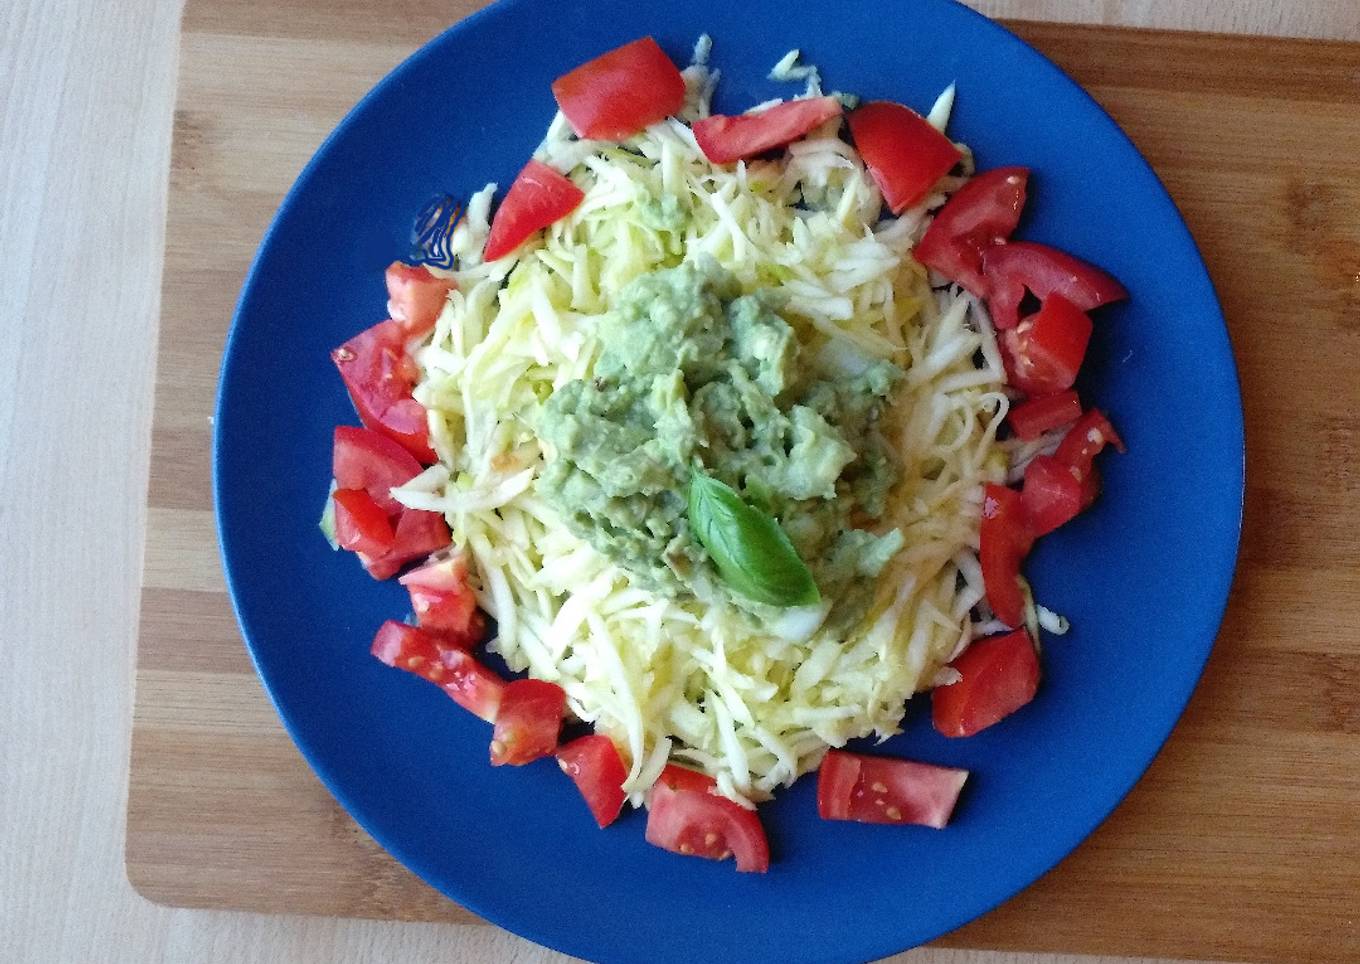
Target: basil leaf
753, 554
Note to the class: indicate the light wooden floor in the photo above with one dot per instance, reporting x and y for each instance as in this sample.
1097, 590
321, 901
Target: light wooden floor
87, 90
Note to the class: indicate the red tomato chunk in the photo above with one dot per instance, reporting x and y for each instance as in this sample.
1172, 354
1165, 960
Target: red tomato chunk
726, 139
467, 682
1044, 352
905, 155
528, 722
595, 766
415, 296
379, 376
686, 816
981, 214
360, 524
1011, 269
1005, 541
873, 789
442, 600
417, 534
999, 674
620, 92
364, 459
539, 197
1037, 416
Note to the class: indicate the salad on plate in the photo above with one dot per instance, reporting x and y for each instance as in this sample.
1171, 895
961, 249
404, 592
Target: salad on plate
730, 433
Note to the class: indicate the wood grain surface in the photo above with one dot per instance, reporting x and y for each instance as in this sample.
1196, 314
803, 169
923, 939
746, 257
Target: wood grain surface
1247, 824
86, 98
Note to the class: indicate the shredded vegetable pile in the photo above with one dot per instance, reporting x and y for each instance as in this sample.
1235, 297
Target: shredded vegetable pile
701, 681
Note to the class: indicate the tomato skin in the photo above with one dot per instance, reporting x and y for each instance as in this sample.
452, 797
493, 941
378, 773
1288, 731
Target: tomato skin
981, 214
364, 459
725, 139
1010, 269
442, 600
999, 674
875, 789
1052, 494
417, 534
620, 92
379, 376
360, 523
466, 681
1039, 415
1005, 540
686, 817
415, 296
905, 155
595, 766
539, 197
528, 722
1079, 447
1044, 352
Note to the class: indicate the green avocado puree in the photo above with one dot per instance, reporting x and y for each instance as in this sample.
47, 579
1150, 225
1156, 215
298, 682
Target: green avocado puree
695, 374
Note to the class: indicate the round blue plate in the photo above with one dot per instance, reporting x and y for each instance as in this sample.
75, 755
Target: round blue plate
1143, 576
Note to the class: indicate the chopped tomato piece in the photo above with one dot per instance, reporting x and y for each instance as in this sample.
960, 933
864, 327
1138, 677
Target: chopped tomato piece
1044, 352
686, 817
725, 139
1052, 494
467, 682
1079, 447
364, 459
620, 92
379, 376
360, 523
875, 789
528, 722
981, 214
1039, 415
1005, 541
539, 197
1011, 269
442, 599
999, 674
905, 155
595, 766
417, 534
416, 296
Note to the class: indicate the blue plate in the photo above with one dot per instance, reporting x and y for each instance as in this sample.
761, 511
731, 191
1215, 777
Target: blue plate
1144, 576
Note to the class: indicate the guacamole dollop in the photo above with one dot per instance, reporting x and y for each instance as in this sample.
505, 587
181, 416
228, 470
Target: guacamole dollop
695, 374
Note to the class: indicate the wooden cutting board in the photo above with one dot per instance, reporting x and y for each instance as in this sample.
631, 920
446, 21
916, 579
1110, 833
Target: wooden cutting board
1243, 841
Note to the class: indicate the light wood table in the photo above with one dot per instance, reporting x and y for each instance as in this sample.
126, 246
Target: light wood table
88, 93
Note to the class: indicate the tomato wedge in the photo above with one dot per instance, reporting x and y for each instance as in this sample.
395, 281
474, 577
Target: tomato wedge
620, 92
1079, 447
685, 817
999, 674
528, 722
725, 139
539, 197
443, 601
875, 789
1039, 415
1053, 494
981, 214
1044, 352
364, 459
1005, 541
905, 155
360, 523
467, 682
416, 535
415, 296
379, 376
1010, 269
595, 766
